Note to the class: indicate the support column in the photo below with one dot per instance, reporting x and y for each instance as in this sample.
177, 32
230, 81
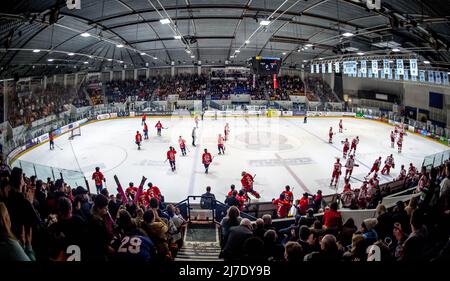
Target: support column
199, 69
111, 73
123, 75
172, 69
147, 72
65, 80
5, 100
135, 71
45, 82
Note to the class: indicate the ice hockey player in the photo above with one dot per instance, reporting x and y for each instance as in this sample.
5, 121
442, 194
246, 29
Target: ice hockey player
226, 131
400, 144
349, 166
138, 139
412, 171
288, 195
336, 172
345, 148
220, 146
51, 136
330, 134
388, 164
340, 126
247, 184
401, 133
206, 160
232, 188
355, 142
362, 196
194, 135
182, 143
347, 195
402, 174
283, 206
154, 192
144, 118
98, 178
131, 191
392, 139
303, 204
375, 167
145, 131
305, 119
196, 121
171, 157
158, 127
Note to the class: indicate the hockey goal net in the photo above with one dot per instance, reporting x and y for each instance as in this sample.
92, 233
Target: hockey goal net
74, 132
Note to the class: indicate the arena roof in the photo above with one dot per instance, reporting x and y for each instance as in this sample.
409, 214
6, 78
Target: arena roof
211, 32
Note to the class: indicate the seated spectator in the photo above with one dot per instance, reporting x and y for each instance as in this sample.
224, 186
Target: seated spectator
98, 243
69, 230
399, 215
413, 248
385, 223
129, 235
357, 252
233, 249
328, 251
293, 252
176, 225
268, 222
346, 234
207, 200
258, 228
368, 231
253, 250
231, 219
157, 231
10, 248
306, 239
273, 251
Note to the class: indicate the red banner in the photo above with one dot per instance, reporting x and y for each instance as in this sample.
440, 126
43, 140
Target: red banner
275, 83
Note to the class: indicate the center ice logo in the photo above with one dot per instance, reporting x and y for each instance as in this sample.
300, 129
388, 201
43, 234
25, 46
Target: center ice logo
263, 140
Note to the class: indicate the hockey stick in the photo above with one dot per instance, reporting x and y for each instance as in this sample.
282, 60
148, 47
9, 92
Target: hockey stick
140, 190
58, 146
120, 190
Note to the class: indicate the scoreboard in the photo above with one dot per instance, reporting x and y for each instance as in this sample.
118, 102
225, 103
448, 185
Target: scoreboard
265, 65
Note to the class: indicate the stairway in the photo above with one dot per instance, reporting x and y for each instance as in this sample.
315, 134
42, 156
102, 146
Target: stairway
201, 243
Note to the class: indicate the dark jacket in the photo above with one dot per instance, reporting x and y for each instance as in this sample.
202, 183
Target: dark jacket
207, 201
232, 201
233, 249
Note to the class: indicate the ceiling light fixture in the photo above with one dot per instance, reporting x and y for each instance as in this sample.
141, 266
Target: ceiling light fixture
85, 34
265, 22
164, 21
347, 34
36, 51
71, 54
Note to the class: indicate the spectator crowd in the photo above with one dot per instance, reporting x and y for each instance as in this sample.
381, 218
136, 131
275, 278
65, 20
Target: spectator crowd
50, 221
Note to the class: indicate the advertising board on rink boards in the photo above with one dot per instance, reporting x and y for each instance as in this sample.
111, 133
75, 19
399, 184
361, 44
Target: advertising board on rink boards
329, 114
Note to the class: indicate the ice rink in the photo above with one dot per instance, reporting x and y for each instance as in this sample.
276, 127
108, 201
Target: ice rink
280, 151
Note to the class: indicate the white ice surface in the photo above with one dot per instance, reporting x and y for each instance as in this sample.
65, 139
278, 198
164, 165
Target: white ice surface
280, 151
